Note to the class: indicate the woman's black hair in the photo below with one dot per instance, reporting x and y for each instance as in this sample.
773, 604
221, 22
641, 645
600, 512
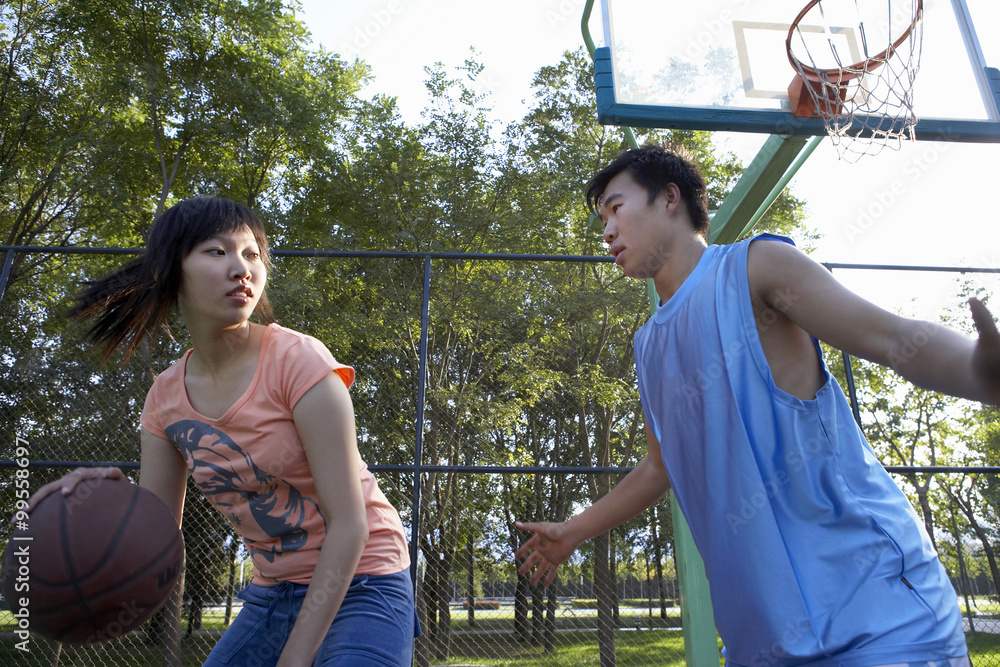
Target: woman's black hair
135, 300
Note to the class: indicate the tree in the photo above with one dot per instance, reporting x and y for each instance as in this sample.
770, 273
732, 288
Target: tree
976, 496
109, 112
61, 119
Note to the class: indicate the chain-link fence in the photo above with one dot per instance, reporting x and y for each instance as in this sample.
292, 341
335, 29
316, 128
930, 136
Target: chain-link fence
489, 388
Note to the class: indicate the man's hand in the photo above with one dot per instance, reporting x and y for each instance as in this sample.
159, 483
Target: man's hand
547, 548
986, 357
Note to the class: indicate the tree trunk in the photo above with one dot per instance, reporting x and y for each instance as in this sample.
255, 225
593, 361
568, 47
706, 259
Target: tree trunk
171, 628
470, 585
616, 619
926, 511
552, 605
437, 607
991, 556
444, 622
605, 600
537, 614
421, 648
654, 520
231, 588
521, 609
429, 588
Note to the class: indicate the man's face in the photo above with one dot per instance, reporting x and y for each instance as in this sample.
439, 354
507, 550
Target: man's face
635, 230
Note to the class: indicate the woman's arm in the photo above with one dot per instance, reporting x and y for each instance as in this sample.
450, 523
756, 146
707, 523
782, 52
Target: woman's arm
162, 470
324, 418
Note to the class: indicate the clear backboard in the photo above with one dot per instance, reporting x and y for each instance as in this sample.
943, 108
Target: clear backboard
723, 65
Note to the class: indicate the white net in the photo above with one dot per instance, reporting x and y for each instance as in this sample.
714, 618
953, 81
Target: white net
856, 71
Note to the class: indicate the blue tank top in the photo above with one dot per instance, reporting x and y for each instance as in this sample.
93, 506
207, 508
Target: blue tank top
810, 548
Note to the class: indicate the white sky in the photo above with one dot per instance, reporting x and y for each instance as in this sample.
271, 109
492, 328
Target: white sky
928, 204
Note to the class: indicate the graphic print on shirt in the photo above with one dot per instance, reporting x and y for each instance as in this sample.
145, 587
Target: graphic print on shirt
221, 468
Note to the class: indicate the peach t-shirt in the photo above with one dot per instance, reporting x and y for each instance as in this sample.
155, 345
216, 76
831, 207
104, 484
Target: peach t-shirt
251, 466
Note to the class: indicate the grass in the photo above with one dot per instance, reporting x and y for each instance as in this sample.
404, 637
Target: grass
571, 648
566, 619
984, 649
490, 642
982, 608
213, 618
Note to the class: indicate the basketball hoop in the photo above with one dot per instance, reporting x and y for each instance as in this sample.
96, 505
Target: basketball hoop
866, 104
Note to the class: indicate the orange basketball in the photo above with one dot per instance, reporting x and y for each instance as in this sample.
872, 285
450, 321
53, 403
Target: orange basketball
93, 565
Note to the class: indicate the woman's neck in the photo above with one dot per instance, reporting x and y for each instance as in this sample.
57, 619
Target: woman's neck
220, 352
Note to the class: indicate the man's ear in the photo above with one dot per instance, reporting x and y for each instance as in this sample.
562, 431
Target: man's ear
671, 195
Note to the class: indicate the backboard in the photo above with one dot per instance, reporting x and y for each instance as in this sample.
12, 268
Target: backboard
722, 65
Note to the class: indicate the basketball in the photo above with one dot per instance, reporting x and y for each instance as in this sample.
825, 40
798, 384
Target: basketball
93, 565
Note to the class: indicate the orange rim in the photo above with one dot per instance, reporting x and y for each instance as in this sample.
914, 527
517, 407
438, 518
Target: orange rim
839, 73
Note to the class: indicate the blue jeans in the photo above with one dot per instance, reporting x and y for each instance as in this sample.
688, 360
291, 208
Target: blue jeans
375, 625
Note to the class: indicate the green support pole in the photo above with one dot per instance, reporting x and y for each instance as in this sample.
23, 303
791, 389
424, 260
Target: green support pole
761, 183
701, 644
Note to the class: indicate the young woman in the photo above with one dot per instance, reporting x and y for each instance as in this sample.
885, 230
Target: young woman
260, 417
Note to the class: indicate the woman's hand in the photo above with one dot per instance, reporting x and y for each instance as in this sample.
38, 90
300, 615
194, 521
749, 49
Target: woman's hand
68, 482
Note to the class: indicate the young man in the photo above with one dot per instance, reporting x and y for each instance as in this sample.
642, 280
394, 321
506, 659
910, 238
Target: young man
813, 554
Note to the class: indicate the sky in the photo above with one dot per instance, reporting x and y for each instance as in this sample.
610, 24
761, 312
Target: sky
928, 204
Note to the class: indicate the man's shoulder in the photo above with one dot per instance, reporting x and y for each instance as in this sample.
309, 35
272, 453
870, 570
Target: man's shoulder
768, 236
775, 259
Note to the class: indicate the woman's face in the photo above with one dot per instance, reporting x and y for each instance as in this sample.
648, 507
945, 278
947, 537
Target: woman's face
223, 278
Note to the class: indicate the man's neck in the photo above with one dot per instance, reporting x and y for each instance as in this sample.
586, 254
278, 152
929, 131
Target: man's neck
680, 263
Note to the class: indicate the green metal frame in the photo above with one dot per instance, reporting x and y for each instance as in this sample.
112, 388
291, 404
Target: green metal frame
763, 180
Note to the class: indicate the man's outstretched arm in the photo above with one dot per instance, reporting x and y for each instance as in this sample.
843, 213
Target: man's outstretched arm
553, 543
927, 354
